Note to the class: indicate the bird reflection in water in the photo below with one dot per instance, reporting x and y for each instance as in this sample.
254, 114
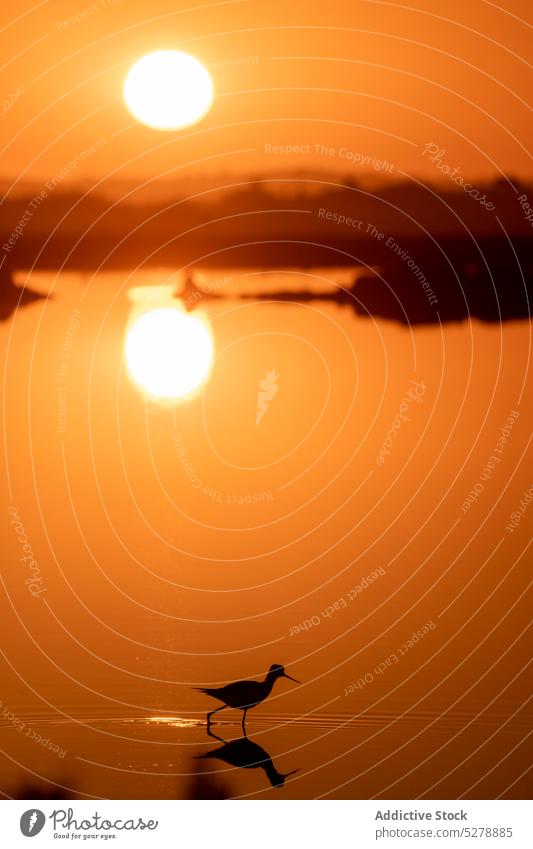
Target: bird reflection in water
246, 754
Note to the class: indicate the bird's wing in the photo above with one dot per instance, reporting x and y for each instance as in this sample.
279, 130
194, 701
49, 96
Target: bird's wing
243, 694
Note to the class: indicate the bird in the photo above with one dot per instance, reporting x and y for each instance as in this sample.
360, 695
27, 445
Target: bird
244, 695
246, 754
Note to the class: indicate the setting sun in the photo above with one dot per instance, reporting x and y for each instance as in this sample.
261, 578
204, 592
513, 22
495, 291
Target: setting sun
168, 353
168, 90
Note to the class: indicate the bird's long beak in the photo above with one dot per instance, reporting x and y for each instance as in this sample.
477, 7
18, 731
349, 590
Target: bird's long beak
291, 678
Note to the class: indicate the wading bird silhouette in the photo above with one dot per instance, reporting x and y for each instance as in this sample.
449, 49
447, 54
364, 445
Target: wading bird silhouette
246, 754
244, 695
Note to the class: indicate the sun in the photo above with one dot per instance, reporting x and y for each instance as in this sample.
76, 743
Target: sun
168, 353
168, 90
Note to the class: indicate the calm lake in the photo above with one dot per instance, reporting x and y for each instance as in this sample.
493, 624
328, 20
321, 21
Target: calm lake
362, 531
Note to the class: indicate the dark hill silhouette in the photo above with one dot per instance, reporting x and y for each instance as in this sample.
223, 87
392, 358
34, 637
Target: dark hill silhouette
473, 260
458, 280
12, 297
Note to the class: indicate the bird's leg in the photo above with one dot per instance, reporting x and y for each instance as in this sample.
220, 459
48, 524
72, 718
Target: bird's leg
210, 714
215, 736
244, 721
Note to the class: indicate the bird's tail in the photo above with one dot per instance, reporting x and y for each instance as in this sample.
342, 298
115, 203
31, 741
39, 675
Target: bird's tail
205, 690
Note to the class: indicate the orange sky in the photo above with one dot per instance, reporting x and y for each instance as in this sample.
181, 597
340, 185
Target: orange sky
375, 78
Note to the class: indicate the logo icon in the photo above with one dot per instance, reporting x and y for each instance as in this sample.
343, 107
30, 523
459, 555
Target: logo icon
268, 387
32, 822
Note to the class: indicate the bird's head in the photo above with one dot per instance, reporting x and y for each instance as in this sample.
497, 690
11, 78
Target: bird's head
278, 671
